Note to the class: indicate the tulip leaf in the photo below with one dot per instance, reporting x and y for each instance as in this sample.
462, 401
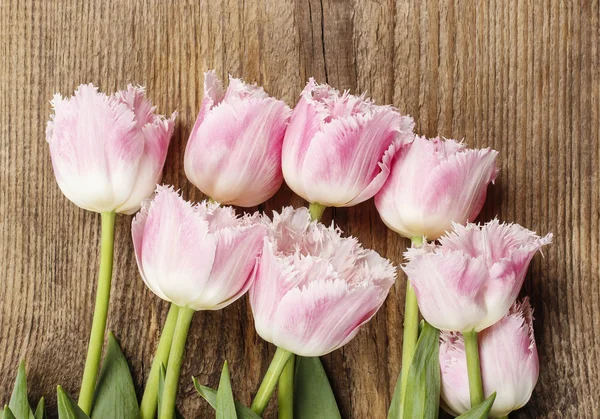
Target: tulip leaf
394, 411
225, 402
67, 408
8, 414
210, 395
115, 393
40, 410
19, 406
481, 411
423, 389
161, 386
313, 396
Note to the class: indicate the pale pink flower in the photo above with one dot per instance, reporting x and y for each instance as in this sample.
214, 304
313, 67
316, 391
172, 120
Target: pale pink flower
198, 256
434, 183
107, 152
338, 148
470, 280
234, 151
509, 364
314, 289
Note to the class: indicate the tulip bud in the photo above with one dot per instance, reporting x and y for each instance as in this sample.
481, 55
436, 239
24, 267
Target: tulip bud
469, 281
509, 364
313, 288
338, 147
234, 151
201, 257
107, 152
434, 183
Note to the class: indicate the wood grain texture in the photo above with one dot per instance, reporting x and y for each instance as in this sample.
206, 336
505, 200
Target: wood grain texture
522, 77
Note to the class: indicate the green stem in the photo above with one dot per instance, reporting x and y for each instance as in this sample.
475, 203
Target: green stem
169, 396
286, 390
316, 210
149, 400
502, 417
92, 362
270, 380
410, 334
473, 367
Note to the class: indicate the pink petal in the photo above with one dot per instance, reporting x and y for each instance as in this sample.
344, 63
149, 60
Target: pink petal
323, 316
175, 249
274, 278
238, 90
157, 136
304, 124
95, 152
434, 183
449, 286
232, 274
509, 363
234, 156
343, 164
457, 187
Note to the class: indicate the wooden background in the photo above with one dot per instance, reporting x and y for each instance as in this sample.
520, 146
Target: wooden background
519, 76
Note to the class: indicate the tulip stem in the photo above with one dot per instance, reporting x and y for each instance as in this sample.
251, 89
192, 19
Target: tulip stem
92, 362
410, 334
473, 367
169, 396
286, 390
149, 400
316, 211
270, 380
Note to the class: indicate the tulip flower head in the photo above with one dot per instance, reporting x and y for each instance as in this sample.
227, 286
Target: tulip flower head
434, 183
234, 151
107, 152
509, 364
314, 288
338, 148
469, 281
201, 257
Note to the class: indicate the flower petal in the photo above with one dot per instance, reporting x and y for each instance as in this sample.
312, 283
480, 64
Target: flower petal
305, 122
450, 287
234, 155
176, 251
238, 249
94, 148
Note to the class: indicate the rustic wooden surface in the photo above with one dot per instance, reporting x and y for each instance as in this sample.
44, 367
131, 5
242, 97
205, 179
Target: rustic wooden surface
520, 76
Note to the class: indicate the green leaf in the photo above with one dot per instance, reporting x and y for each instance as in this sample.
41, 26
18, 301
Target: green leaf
67, 408
161, 385
115, 394
210, 396
394, 411
8, 414
313, 396
423, 390
19, 406
225, 402
481, 411
40, 410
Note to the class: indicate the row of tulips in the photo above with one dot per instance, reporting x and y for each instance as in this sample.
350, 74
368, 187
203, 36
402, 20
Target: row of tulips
310, 288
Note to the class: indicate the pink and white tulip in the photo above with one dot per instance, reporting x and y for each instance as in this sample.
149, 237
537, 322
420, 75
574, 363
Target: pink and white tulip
433, 183
314, 289
469, 281
509, 364
338, 148
197, 256
234, 151
107, 152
